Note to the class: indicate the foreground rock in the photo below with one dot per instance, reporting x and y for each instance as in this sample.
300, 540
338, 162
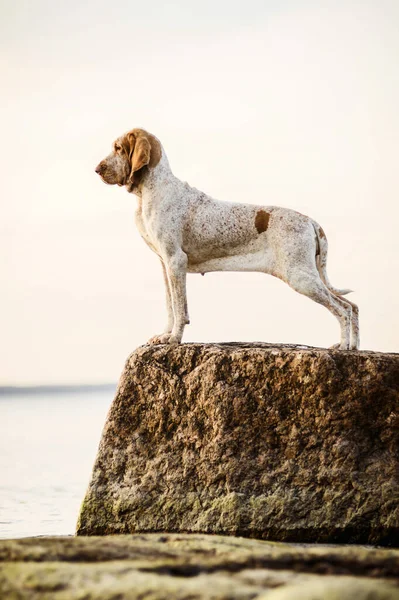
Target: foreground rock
192, 566
282, 443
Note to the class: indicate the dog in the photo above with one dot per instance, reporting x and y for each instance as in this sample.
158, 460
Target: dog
193, 233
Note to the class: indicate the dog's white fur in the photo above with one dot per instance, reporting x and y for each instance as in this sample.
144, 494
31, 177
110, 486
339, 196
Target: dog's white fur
193, 233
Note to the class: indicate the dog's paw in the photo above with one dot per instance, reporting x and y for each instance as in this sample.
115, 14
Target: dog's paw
159, 339
164, 338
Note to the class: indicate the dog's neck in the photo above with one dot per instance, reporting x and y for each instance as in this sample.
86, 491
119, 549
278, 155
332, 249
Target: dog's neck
153, 180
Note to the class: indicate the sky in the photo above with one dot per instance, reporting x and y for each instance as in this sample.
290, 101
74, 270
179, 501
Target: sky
277, 102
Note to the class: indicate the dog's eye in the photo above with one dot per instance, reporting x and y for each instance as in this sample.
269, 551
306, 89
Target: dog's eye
118, 148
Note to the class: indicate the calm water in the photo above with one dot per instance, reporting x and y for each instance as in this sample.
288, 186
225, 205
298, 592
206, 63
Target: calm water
48, 445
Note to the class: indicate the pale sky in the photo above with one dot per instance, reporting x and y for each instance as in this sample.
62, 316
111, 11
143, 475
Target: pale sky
285, 102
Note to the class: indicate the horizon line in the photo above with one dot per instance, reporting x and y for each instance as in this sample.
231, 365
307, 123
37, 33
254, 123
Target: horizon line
55, 388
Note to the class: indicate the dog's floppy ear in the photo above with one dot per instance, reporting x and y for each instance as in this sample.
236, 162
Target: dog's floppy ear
139, 152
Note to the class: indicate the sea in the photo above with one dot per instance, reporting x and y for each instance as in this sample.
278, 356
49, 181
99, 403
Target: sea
48, 442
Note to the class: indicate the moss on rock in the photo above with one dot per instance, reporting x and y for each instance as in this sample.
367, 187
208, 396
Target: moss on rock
189, 566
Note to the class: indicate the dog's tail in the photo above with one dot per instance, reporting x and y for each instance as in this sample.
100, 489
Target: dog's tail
321, 260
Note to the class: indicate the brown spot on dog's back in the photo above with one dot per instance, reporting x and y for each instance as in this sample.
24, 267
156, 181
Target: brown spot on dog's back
321, 233
262, 221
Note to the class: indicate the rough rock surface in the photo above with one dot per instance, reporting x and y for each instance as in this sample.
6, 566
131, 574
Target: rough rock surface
189, 566
281, 443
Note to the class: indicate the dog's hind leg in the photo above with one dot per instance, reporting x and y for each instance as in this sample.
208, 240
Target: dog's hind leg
355, 339
321, 264
310, 284
321, 260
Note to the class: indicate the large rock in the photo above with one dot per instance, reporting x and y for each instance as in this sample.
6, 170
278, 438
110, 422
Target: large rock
282, 443
186, 567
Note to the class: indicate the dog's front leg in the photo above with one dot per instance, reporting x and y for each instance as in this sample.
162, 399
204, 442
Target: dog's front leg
175, 272
176, 266
169, 307
163, 338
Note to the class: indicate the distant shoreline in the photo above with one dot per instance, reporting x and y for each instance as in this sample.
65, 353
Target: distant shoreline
7, 390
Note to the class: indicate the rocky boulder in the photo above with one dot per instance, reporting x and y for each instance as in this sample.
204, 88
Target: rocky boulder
275, 442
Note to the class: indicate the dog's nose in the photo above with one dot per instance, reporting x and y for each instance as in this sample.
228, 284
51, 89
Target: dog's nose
99, 168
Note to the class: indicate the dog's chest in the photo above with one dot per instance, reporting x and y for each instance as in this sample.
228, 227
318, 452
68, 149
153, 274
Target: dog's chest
159, 221
143, 229
152, 225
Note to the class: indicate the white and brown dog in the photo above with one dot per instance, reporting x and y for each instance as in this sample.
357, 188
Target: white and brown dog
193, 233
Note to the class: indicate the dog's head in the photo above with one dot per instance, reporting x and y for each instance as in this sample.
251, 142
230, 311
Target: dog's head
132, 155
